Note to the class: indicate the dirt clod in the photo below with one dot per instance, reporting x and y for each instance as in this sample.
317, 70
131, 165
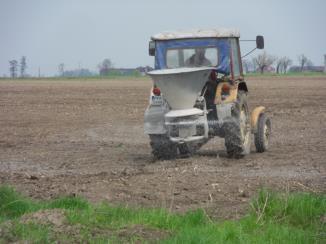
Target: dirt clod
243, 193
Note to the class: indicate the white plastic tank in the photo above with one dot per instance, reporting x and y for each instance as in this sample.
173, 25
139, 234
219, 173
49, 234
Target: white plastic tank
180, 87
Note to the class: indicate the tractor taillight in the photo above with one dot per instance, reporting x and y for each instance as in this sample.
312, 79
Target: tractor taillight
156, 91
225, 88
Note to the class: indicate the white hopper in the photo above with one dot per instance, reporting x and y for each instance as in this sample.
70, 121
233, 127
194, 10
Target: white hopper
180, 87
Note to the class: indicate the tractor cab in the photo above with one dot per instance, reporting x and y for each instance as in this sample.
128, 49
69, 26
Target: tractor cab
218, 49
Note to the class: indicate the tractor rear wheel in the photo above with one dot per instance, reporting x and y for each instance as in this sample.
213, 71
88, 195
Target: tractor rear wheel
162, 147
184, 150
237, 131
188, 149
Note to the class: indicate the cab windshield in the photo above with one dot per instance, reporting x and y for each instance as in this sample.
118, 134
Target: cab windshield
192, 57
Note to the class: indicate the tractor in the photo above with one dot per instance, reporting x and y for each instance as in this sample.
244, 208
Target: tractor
199, 92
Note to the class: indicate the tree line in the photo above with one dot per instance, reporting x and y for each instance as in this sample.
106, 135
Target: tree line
18, 69
104, 68
263, 61
15, 67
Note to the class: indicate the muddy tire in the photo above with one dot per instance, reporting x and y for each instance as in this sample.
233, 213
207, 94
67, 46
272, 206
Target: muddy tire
188, 149
184, 150
263, 133
162, 147
237, 131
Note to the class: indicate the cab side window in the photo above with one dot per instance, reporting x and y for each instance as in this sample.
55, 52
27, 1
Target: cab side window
235, 57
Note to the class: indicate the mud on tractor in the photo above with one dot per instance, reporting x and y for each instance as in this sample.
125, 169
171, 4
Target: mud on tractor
199, 92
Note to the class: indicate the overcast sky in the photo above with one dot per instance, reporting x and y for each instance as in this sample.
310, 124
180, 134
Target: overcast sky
81, 33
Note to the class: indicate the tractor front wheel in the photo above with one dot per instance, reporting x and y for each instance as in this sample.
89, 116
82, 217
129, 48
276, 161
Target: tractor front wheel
263, 133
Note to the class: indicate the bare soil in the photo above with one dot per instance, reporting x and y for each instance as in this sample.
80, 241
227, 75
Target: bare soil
69, 137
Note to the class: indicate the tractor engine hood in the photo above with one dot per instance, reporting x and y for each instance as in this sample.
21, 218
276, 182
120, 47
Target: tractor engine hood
180, 87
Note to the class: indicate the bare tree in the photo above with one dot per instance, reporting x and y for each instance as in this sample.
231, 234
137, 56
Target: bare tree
309, 63
282, 64
13, 67
303, 61
254, 65
246, 65
263, 61
105, 66
61, 68
23, 66
286, 63
278, 65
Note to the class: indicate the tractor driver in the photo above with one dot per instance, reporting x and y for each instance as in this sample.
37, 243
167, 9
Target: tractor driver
198, 59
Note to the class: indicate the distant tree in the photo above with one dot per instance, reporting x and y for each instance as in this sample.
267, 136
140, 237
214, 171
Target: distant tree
282, 64
246, 65
105, 66
144, 69
61, 69
303, 61
263, 61
286, 63
309, 63
278, 65
254, 65
23, 66
13, 67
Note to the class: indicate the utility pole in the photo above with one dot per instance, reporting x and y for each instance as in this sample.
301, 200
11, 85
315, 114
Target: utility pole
39, 72
324, 63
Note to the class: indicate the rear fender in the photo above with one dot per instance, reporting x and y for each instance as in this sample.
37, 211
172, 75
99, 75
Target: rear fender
255, 116
230, 98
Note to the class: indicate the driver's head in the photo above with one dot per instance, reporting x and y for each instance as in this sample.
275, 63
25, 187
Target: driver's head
200, 52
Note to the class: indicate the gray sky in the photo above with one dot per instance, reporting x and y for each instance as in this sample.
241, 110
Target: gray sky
84, 32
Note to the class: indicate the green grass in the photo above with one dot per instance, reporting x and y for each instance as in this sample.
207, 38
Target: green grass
273, 218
